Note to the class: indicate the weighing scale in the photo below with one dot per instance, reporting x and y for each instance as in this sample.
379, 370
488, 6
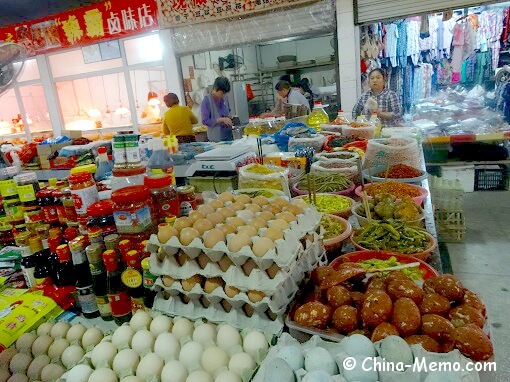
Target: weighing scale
216, 170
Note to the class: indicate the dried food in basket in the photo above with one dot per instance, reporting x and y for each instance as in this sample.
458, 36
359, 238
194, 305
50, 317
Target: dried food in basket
393, 151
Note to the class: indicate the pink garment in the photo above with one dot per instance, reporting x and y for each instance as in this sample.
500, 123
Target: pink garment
455, 77
458, 48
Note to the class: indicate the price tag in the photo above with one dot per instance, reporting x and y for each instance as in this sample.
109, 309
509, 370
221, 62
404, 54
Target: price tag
26, 193
8, 188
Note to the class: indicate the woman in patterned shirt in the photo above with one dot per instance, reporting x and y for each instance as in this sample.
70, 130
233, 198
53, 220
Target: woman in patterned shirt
379, 100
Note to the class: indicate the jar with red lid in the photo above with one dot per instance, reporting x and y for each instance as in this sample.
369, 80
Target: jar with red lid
133, 210
47, 203
84, 192
126, 177
100, 214
68, 204
187, 200
164, 195
61, 213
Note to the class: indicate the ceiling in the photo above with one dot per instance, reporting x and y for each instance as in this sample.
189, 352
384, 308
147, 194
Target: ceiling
17, 11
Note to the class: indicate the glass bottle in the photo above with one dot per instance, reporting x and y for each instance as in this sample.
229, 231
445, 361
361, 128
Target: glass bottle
317, 117
94, 255
132, 278
148, 284
118, 296
104, 166
64, 274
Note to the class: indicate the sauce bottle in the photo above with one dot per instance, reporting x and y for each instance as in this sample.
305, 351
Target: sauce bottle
118, 296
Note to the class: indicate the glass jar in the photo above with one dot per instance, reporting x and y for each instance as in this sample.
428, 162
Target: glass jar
59, 206
47, 203
187, 200
164, 195
84, 192
68, 203
133, 158
133, 210
100, 215
119, 151
125, 177
6, 235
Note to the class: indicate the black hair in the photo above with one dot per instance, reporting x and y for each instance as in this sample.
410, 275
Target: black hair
305, 85
222, 83
286, 77
377, 70
282, 85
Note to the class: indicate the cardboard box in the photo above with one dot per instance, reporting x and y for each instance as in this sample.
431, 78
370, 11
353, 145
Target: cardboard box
44, 151
64, 162
465, 174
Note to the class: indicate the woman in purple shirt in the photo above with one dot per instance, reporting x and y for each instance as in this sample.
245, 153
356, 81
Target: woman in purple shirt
215, 112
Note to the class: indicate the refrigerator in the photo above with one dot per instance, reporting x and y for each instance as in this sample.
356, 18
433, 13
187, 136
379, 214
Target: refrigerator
238, 101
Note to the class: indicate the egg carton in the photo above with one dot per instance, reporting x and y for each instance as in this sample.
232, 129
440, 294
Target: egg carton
276, 300
282, 255
244, 278
216, 313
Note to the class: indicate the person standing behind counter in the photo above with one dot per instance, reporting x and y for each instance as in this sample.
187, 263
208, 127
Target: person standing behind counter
379, 100
151, 111
288, 95
215, 112
178, 120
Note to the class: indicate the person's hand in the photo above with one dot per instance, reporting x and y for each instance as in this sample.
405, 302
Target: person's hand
226, 120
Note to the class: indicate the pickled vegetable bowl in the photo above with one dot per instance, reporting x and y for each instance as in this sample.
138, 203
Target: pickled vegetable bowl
338, 205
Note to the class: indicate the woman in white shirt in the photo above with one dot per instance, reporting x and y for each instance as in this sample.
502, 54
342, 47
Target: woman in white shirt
288, 95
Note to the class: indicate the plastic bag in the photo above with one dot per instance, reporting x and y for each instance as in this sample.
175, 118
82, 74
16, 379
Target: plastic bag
337, 166
316, 142
277, 180
282, 137
393, 151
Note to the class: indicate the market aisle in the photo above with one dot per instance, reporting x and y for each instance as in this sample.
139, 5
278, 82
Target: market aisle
482, 263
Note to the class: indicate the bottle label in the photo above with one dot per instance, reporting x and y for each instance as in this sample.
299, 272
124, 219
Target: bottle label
96, 268
83, 198
135, 221
120, 303
103, 306
149, 279
8, 188
133, 152
137, 304
119, 152
131, 278
28, 273
26, 193
185, 208
168, 208
87, 299
50, 214
61, 213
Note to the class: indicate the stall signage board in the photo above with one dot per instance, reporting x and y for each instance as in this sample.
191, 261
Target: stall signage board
181, 12
83, 26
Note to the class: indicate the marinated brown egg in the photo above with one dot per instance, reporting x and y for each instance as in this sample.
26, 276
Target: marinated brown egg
406, 316
345, 319
202, 225
312, 314
383, 330
377, 307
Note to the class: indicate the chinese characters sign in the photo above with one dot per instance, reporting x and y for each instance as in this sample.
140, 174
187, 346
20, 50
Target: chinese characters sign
179, 12
83, 26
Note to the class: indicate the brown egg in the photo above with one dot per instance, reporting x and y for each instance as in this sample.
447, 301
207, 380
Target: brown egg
465, 314
445, 285
248, 266
403, 288
181, 257
397, 275
202, 225
280, 224
216, 204
258, 223
236, 221
260, 200
337, 296
345, 319
321, 273
167, 280
195, 215
287, 216
273, 234
293, 209
434, 303
226, 197
215, 218
273, 270
406, 316
437, 327
238, 241
188, 234
212, 284
273, 208
237, 206
227, 228
383, 330
473, 343
231, 291
255, 296
281, 202
313, 314
243, 198
471, 299
253, 208
262, 246
428, 343
188, 284
266, 215
213, 237
206, 209
248, 230
377, 307
227, 212
183, 222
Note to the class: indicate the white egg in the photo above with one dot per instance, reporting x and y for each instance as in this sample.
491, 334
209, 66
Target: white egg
91, 337
75, 333
160, 324
57, 348
131, 378
103, 354
358, 344
174, 371
228, 337
126, 359
277, 370
6, 356
395, 349
44, 328
79, 373
103, 375
228, 376
140, 320
293, 356
35, 368
150, 365
142, 341
318, 358
167, 346
25, 342
204, 333
60, 329
359, 372
191, 354
41, 345
20, 362
18, 378
72, 355
123, 336
240, 362
4, 375
199, 376
214, 358
51, 372
254, 343
317, 376
182, 328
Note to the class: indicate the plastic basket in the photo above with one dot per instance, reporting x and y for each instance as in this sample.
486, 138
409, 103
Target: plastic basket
451, 225
491, 178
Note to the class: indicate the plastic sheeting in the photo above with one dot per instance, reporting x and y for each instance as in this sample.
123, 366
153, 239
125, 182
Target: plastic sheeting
310, 19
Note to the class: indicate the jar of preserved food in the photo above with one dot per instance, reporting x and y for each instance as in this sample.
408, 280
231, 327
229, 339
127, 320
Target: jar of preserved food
132, 148
125, 177
59, 206
133, 209
84, 192
164, 195
47, 203
27, 186
6, 235
119, 151
187, 200
68, 203
100, 214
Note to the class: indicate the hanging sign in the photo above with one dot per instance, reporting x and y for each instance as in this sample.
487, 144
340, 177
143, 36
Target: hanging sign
83, 26
179, 12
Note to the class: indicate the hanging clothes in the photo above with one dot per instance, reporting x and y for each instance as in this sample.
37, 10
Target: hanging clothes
494, 37
391, 43
430, 43
458, 51
413, 41
402, 43
448, 27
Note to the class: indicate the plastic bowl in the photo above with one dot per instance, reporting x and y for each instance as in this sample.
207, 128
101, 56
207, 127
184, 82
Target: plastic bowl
417, 199
363, 220
346, 192
335, 243
424, 255
345, 213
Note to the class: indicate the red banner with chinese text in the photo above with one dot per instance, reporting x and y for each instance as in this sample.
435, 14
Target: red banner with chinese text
180, 12
83, 26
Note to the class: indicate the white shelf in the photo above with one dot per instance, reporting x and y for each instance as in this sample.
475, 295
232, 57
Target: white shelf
16, 135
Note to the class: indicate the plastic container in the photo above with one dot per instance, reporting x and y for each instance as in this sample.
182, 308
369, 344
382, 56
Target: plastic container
119, 151
164, 195
317, 117
417, 199
363, 220
343, 213
100, 215
125, 177
133, 210
187, 200
84, 191
334, 244
133, 158
341, 155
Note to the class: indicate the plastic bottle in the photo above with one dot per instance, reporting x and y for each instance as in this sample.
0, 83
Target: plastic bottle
317, 117
104, 166
362, 119
376, 122
341, 118
252, 127
160, 161
148, 283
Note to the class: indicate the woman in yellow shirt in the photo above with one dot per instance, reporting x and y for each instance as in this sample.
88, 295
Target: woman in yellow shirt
178, 120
